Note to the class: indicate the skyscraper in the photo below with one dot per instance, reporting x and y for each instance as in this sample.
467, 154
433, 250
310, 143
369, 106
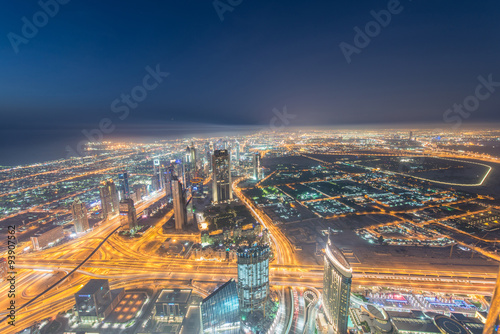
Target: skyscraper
179, 200
93, 300
156, 182
337, 278
193, 157
238, 149
256, 166
109, 199
168, 175
127, 211
80, 219
221, 176
220, 311
123, 185
253, 278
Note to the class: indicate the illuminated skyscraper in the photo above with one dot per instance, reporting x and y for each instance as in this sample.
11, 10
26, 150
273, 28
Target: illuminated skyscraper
238, 148
80, 219
253, 278
220, 312
169, 174
123, 185
180, 212
156, 182
337, 278
221, 176
256, 166
193, 157
128, 213
109, 199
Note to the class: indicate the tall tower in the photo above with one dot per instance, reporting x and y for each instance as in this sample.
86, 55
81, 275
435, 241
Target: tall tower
193, 157
180, 212
123, 185
127, 210
253, 278
238, 149
220, 311
337, 278
109, 199
80, 219
221, 176
156, 182
256, 166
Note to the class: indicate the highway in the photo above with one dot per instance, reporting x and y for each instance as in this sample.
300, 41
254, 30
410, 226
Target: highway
129, 263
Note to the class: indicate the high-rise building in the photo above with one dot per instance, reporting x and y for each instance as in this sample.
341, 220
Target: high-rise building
156, 181
337, 278
168, 175
109, 199
123, 185
256, 166
208, 152
221, 176
128, 213
238, 149
220, 311
253, 278
179, 200
80, 218
93, 300
193, 157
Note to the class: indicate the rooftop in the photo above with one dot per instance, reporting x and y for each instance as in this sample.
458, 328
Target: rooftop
174, 296
93, 286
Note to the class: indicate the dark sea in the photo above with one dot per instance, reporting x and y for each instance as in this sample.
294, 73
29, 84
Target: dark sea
21, 147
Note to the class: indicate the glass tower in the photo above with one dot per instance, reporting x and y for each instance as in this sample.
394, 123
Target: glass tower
337, 278
221, 176
220, 312
253, 278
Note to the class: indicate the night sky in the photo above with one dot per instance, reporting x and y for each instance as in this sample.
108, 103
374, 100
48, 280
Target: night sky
233, 72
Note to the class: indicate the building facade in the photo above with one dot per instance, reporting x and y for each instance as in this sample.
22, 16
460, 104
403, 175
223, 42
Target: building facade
337, 278
172, 305
253, 278
220, 311
256, 166
124, 186
80, 218
128, 214
47, 237
109, 199
221, 176
180, 211
93, 301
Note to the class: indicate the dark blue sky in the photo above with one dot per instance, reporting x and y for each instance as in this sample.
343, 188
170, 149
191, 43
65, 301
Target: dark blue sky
264, 55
